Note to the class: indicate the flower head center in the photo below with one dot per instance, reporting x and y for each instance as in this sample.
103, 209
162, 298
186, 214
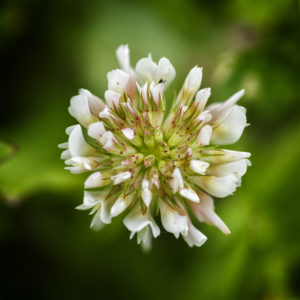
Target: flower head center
148, 166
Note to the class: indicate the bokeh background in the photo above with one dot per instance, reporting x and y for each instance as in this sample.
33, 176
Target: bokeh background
50, 49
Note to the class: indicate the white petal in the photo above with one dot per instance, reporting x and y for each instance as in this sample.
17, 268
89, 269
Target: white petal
63, 146
120, 205
117, 80
105, 113
216, 156
231, 129
205, 212
234, 98
144, 237
108, 140
204, 135
204, 117
124, 61
147, 197
65, 155
136, 221
238, 167
94, 180
88, 202
198, 166
121, 177
103, 212
96, 223
145, 184
194, 237
178, 178
202, 97
128, 132
165, 72
112, 99
77, 144
95, 104
145, 69
192, 83
220, 111
146, 193
96, 130
173, 185
79, 109
189, 194
81, 164
144, 93
70, 129
218, 186
123, 57
156, 91
75, 169
172, 221
155, 181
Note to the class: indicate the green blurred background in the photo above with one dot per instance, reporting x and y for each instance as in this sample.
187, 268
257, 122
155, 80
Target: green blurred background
50, 49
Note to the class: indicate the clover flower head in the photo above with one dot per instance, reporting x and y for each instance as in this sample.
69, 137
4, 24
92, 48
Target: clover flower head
148, 164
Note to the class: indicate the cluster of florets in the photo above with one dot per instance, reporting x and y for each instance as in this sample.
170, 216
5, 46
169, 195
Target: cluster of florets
148, 165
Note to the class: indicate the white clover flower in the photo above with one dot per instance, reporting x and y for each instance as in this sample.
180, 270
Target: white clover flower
146, 166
